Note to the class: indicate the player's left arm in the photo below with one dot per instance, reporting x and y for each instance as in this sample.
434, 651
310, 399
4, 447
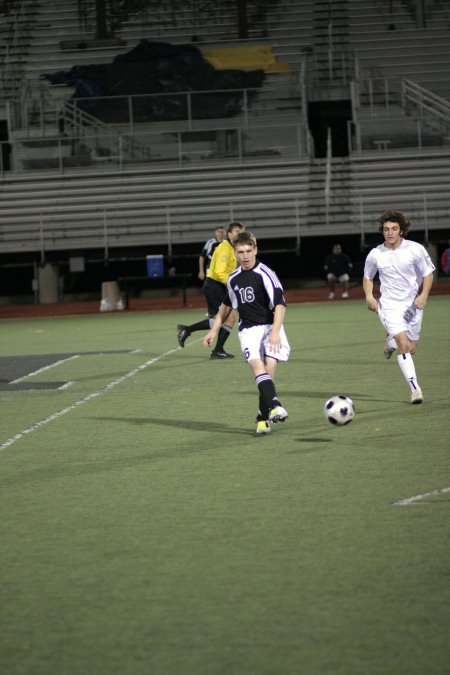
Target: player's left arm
422, 298
278, 318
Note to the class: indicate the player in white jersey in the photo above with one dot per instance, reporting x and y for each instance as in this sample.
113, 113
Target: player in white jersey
406, 276
254, 290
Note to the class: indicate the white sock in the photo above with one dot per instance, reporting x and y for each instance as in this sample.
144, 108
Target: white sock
392, 343
406, 364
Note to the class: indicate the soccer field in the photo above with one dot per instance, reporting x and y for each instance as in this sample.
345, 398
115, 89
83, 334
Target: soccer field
146, 530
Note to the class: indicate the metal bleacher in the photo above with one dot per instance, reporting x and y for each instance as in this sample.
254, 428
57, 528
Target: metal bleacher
388, 42
417, 185
87, 191
144, 208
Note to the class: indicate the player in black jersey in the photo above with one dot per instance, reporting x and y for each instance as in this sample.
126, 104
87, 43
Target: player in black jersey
204, 259
254, 290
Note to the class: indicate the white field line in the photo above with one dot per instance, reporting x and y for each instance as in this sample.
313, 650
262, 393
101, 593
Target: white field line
44, 368
417, 498
66, 385
94, 394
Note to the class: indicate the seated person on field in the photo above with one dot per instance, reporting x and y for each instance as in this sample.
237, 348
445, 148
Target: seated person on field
337, 267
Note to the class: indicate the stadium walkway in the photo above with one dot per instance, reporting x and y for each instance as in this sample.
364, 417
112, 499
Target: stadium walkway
174, 302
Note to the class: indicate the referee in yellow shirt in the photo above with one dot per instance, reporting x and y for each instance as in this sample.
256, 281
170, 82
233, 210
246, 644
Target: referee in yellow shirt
222, 264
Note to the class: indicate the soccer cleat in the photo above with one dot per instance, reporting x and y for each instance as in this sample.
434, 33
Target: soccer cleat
344, 294
331, 296
416, 396
221, 354
278, 414
388, 351
263, 427
182, 334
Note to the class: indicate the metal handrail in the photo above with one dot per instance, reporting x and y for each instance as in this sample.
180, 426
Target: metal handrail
106, 147
189, 95
80, 123
431, 107
38, 111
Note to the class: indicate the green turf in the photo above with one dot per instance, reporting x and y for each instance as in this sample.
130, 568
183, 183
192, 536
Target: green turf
146, 530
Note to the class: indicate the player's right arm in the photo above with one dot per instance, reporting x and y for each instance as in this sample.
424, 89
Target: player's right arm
278, 318
219, 319
201, 267
372, 304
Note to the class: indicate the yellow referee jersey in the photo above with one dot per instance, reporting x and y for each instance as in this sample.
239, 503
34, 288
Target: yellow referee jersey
222, 263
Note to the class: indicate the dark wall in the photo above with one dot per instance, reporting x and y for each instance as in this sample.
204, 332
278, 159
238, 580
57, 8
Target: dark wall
17, 271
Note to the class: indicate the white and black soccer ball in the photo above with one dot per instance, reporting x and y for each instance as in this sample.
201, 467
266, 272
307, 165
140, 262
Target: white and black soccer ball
339, 410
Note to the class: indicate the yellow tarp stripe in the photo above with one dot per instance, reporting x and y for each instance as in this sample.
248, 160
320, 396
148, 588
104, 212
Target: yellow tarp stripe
256, 57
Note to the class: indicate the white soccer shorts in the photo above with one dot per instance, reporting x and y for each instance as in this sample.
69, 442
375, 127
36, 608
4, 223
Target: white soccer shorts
391, 313
255, 343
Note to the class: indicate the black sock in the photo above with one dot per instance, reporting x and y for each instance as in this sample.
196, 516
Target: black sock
267, 394
263, 412
224, 334
200, 325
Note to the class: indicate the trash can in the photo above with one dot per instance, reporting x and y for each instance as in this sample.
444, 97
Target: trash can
48, 283
111, 297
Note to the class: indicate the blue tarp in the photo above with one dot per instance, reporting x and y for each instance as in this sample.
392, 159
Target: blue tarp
156, 68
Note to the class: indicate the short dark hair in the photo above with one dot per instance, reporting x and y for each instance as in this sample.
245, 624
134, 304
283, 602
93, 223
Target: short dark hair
395, 217
244, 239
231, 226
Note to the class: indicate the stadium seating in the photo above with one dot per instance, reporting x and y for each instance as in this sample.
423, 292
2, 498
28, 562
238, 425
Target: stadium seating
79, 191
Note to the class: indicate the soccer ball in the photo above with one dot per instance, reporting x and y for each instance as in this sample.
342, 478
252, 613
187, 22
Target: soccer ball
339, 410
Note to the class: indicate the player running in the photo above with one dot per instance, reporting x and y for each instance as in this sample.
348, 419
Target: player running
406, 276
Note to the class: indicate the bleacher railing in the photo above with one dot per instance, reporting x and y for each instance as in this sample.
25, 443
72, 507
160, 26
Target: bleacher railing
396, 115
374, 97
42, 112
100, 149
185, 106
431, 108
370, 137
